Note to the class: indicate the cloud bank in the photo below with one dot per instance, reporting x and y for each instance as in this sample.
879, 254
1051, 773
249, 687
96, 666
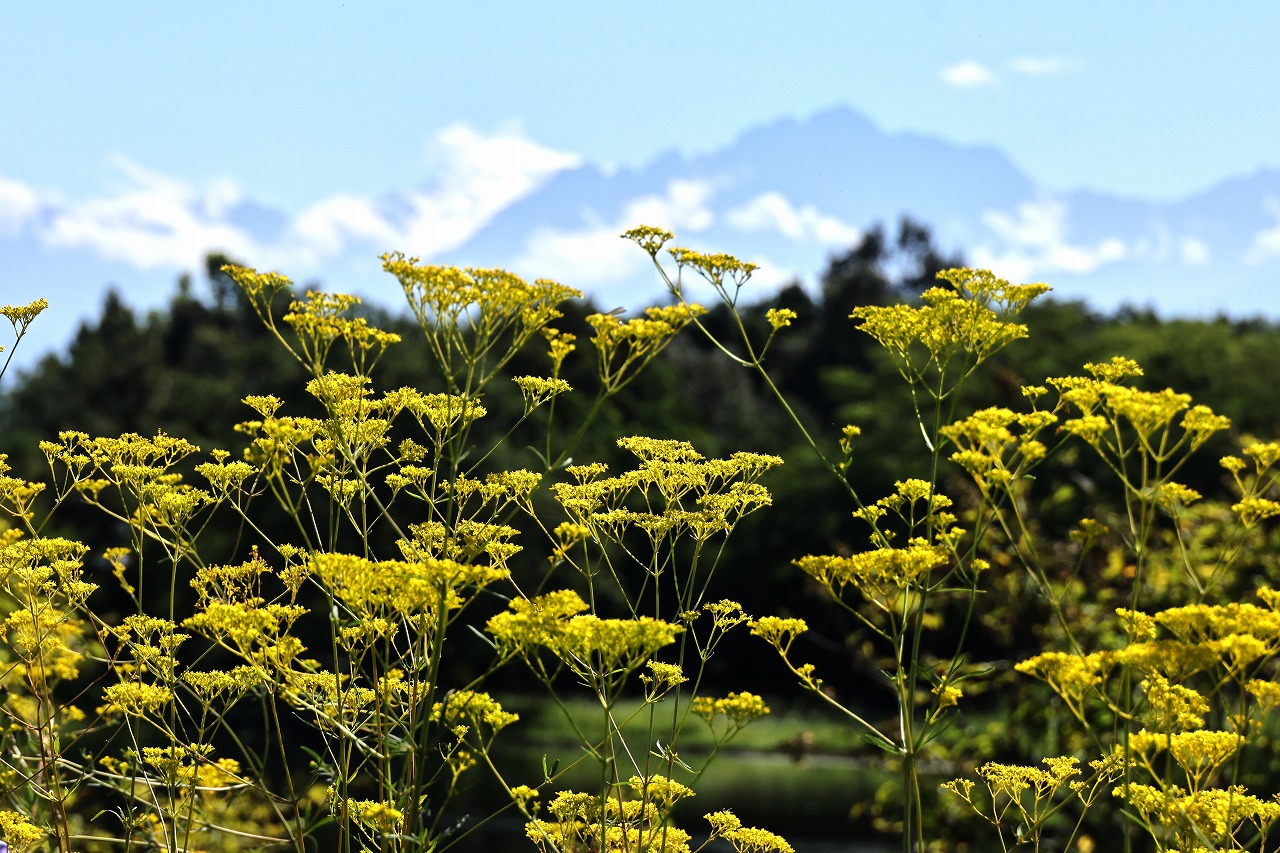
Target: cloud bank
971, 74
155, 221
968, 74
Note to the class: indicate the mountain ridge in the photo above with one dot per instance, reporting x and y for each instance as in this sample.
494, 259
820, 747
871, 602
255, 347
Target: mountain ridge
786, 194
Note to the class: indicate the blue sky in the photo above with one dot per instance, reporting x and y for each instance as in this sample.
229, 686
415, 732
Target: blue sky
297, 100
110, 112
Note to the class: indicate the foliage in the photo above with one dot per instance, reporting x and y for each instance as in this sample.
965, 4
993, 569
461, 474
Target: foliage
137, 717
1049, 548
1186, 697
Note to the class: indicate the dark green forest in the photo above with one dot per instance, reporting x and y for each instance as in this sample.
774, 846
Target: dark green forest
184, 370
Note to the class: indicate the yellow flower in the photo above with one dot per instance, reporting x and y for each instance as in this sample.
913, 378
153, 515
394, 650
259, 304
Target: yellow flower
969, 318
659, 789
779, 318
623, 348
22, 315
726, 825
738, 708
379, 816
648, 238
720, 270
1173, 707
948, 695
19, 833
777, 631
537, 390
135, 699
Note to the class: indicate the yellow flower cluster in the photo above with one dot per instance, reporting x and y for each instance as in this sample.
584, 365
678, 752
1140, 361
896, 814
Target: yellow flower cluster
597, 650
17, 495
739, 709
990, 449
225, 478
240, 582
490, 298
276, 443
475, 707
559, 345
140, 468
335, 449
465, 543
448, 414
20, 834
1191, 818
777, 631
22, 315
719, 269
617, 825
258, 631
1224, 642
779, 318
40, 570
378, 816
321, 320
1253, 508
1073, 677
134, 698
880, 575
417, 592
671, 480
1173, 707
969, 319
1109, 412
664, 676
474, 315
537, 390
624, 348
744, 839
44, 577
260, 287
659, 790
649, 238
498, 489
1011, 780
189, 765
1029, 793
223, 684
153, 644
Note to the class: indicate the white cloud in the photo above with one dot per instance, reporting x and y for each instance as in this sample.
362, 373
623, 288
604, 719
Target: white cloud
1042, 66
327, 227
592, 256
683, 208
1266, 243
967, 74
151, 220
1035, 243
1193, 251
19, 205
770, 275
496, 169
772, 211
596, 255
478, 176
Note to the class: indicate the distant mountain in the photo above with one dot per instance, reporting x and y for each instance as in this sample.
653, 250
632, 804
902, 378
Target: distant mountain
789, 193
785, 195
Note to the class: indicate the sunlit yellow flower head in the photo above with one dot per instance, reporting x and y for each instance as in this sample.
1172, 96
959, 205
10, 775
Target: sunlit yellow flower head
22, 315
971, 319
649, 238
